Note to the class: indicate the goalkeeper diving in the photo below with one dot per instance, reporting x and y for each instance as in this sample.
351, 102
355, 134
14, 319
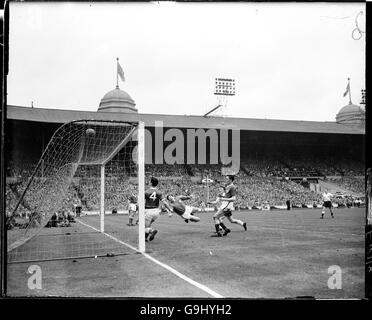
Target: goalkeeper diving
180, 208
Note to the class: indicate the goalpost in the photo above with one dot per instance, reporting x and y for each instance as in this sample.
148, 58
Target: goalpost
141, 187
68, 172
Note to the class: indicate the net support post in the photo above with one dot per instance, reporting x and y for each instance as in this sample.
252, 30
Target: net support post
102, 198
141, 186
207, 190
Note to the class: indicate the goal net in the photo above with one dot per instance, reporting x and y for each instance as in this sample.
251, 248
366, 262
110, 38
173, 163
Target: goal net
75, 203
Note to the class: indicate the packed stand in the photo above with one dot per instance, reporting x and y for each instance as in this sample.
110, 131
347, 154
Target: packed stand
353, 184
165, 170
260, 182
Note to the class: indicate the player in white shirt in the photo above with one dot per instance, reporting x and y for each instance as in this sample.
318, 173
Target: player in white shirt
327, 203
226, 198
133, 209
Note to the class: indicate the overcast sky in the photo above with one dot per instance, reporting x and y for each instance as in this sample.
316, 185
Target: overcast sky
289, 61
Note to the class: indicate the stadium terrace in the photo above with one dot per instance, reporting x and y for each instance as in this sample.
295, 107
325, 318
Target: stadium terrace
275, 161
321, 152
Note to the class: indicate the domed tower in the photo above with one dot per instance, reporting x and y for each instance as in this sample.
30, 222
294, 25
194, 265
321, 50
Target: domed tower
351, 114
117, 100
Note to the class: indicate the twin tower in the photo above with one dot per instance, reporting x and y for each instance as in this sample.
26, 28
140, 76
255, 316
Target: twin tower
118, 100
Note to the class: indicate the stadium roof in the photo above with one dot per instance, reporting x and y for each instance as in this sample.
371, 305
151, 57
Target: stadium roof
178, 121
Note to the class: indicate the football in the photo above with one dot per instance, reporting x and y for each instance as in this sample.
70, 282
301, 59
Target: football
90, 132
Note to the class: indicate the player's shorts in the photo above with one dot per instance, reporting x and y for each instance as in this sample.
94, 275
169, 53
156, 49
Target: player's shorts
327, 204
132, 207
227, 213
187, 214
226, 206
151, 214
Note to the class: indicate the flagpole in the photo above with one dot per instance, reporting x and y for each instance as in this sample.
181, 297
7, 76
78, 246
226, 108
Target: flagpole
348, 79
117, 79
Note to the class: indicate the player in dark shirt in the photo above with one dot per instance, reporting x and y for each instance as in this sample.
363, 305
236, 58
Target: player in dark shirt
181, 209
227, 206
153, 200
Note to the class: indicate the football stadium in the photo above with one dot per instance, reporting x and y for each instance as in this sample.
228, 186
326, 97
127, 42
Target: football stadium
73, 190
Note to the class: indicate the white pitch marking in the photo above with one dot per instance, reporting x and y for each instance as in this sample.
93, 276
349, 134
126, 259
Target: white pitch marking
174, 271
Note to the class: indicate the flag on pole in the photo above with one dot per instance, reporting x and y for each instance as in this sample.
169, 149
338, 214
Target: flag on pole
120, 72
347, 89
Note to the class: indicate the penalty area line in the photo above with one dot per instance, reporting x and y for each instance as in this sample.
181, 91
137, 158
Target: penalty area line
165, 266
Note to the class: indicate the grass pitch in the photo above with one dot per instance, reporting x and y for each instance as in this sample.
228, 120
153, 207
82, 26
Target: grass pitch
282, 254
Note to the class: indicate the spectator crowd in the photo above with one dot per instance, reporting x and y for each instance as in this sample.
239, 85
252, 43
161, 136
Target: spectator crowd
260, 182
